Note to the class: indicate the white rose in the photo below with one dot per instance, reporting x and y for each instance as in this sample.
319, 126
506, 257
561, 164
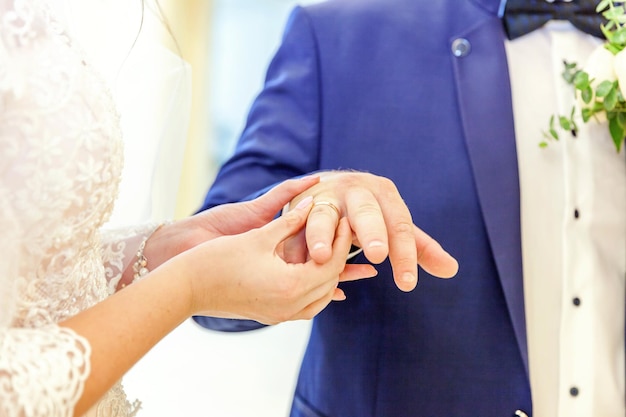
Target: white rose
619, 67
600, 66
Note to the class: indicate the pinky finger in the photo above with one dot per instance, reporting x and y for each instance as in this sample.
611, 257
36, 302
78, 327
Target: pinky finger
339, 295
354, 272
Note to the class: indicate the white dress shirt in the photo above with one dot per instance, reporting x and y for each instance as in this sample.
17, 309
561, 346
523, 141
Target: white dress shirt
573, 217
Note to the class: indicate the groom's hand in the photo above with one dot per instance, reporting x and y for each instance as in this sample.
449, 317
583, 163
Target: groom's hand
381, 225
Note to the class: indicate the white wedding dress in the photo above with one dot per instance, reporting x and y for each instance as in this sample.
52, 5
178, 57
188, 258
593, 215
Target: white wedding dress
60, 163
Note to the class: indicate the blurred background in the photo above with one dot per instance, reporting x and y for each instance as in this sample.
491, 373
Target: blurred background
183, 80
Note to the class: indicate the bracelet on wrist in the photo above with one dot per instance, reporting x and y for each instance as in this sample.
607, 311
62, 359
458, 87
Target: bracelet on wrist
140, 267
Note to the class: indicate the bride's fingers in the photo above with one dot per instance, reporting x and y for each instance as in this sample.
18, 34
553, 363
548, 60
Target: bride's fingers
275, 199
352, 273
294, 250
289, 224
336, 265
318, 293
341, 245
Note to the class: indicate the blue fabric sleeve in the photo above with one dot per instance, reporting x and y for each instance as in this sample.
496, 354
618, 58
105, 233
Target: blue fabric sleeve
280, 139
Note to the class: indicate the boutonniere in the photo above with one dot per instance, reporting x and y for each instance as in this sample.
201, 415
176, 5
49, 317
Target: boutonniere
597, 85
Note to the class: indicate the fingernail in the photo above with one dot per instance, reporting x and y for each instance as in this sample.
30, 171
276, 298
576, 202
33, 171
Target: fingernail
309, 177
304, 202
408, 277
319, 245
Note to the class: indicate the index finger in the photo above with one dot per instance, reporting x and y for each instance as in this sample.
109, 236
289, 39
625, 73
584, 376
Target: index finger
410, 246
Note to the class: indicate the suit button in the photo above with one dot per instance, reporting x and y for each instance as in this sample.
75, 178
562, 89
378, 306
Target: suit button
461, 47
520, 413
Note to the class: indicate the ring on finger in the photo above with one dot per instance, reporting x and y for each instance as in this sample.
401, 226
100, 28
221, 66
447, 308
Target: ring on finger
329, 204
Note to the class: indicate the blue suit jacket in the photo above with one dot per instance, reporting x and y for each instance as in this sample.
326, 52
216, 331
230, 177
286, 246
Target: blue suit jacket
373, 85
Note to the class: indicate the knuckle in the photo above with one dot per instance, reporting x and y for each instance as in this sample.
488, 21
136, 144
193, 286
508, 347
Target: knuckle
369, 209
422, 250
402, 228
293, 218
403, 260
325, 211
387, 185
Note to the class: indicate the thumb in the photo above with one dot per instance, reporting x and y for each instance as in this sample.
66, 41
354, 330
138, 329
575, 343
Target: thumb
292, 222
275, 199
343, 241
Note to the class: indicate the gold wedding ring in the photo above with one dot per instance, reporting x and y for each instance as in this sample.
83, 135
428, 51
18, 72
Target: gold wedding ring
329, 204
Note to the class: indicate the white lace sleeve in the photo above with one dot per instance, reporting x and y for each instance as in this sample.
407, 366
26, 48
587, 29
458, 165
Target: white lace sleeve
59, 169
42, 370
119, 247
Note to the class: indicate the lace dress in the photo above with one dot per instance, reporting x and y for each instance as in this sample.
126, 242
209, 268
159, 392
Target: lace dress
60, 164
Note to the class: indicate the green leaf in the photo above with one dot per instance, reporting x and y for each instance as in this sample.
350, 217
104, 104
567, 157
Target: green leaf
565, 123
543, 144
602, 5
581, 80
614, 13
613, 48
586, 114
610, 100
621, 119
551, 135
598, 106
569, 65
606, 30
619, 36
552, 130
617, 132
603, 88
574, 127
587, 94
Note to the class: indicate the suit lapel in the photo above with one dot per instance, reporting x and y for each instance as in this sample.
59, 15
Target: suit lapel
486, 111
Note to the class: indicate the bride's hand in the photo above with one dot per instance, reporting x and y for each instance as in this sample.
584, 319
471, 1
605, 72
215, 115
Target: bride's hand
243, 276
224, 220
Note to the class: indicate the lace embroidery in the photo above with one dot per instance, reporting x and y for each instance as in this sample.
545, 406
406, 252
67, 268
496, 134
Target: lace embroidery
118, 249
52, 354
59, 174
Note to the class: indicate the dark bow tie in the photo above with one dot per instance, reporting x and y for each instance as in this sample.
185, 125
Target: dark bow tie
524, 16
